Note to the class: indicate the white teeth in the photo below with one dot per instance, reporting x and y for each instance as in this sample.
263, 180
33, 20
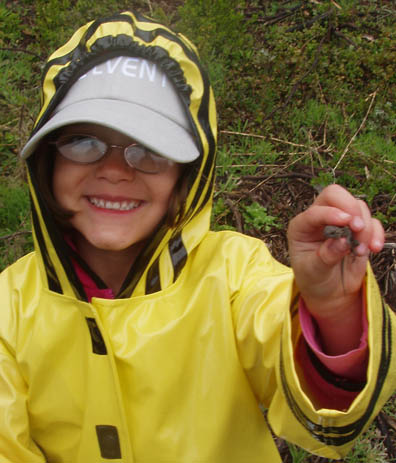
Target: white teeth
116, 205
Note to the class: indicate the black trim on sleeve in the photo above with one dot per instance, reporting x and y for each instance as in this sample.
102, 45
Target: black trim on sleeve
332, 378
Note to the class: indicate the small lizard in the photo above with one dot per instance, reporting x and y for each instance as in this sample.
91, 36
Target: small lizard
335, 232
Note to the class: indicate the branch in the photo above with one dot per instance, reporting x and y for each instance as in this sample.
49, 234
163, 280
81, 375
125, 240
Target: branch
15, 234
389, 246
237, 215
373, 95
265, 180
21, 50
280, 175
150, 7
344, 37
382, 424
269, 20
310, 22
262, 137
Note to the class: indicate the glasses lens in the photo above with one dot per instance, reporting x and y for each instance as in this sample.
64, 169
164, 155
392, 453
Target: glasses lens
144, 160
81, 148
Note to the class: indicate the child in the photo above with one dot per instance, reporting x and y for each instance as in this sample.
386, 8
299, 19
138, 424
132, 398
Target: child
133, 333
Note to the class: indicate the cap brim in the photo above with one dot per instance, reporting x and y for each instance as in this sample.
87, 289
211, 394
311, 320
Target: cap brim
151, 129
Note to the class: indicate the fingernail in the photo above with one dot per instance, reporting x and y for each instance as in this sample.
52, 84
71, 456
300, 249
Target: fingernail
357, 222
377, 244
361, 250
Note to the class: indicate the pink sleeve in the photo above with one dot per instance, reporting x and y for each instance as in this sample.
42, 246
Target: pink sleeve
351, 365
333, 380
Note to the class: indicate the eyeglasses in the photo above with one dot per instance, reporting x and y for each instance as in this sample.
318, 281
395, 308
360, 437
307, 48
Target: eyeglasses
87, 149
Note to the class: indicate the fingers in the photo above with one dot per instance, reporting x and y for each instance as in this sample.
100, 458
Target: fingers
362, 227
336, 206
367, 230
378, 236
337, 196
332, 251
309, 225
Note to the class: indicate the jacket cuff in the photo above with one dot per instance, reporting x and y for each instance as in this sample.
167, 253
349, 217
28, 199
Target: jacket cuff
326, 389
351, 365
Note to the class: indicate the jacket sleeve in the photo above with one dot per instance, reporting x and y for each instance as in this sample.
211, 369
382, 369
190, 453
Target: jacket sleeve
16, 444
268, 332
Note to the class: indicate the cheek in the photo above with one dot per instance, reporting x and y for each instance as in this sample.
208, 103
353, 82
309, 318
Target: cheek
58, 181
65, 179
166, 185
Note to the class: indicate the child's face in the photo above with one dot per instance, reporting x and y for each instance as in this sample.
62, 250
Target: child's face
92, 192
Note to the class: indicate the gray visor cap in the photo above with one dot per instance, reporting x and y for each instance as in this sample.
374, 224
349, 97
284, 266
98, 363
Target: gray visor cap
132, 96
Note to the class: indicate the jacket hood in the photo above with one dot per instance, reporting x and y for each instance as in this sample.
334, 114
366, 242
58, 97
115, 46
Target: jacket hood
134, 35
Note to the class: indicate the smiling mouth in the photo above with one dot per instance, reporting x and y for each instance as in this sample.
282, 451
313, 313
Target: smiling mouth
114, 205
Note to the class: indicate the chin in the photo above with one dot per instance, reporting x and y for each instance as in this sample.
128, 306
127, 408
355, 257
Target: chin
109, 243
114, 247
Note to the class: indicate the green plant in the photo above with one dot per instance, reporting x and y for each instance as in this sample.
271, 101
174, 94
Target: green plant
219, 30
368, 449
11, 25
14, 206
56, 20
257, 216
298, 454
15, 238
220, 212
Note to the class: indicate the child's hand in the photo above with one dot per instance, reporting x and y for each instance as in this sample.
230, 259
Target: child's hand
320, 264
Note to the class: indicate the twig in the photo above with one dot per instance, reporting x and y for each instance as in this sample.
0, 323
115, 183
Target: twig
373, 95
344, 37
262, 137
237, 214
267, 179
13, 235
389, 246
237, 166
150, 7
270, 20
284, 175
243, 134
382, 424
310, 22
287, 142
336, 4
21, 50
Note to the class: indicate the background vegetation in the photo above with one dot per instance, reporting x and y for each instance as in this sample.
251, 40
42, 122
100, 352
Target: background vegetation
306, 97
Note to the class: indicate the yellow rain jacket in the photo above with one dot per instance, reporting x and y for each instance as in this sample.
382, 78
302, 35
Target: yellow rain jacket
200, 338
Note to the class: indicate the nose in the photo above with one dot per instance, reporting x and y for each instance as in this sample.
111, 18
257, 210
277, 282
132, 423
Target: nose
113, 166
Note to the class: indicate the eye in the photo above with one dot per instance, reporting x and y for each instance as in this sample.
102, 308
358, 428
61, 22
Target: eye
144, 160
81, 148
80, 142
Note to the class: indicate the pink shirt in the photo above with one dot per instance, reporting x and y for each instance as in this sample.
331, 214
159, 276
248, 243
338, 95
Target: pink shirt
333, 381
